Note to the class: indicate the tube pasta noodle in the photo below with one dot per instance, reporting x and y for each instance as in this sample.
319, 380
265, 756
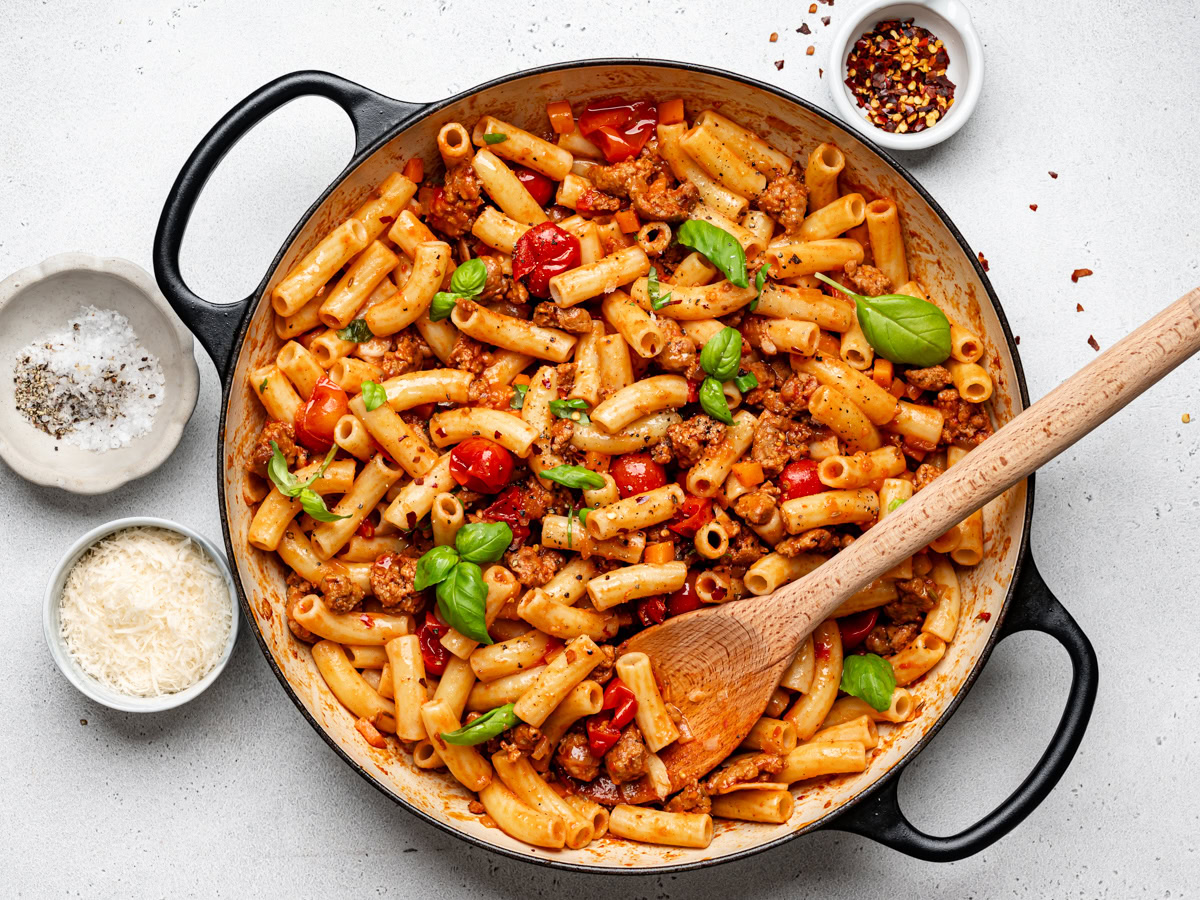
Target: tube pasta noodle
592, 556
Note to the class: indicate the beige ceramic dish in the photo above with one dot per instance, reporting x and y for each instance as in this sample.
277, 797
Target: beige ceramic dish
1005, 586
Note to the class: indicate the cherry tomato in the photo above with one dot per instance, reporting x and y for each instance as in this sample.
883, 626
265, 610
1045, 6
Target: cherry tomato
429, 637
619, 128
539, 186
685, 599
316, 420
799, 479
621, 701
541, 253
652, 611
695, 514
510, 507
636, 473
855, 628
481, 465
601, 734
424, 410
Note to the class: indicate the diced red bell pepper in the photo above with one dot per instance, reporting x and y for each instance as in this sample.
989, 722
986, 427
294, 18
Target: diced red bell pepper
685, 599
429, 637
366, 529
652, 611
601, 734
695, 514
621, 701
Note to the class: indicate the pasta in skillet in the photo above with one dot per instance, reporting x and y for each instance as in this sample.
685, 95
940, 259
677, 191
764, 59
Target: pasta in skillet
595, 375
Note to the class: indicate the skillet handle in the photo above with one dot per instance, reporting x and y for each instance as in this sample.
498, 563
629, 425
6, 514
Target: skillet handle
1034, 609
216, 324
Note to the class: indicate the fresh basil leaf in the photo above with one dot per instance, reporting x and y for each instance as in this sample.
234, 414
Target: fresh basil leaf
570, 519
582, 513
657, 300
718, 246
314, 504
759, 280
901, 328
895, 504
492, 723
870, 678
469, 278
713, 402
483, 542
442, 305
434, 565
574, 477
462, 600
571, 409
277, 470
747, 382
495, 138
722, 354
518, 397
357, 331
374, 396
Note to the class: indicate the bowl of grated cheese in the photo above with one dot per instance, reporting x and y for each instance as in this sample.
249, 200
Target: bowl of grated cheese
140, 614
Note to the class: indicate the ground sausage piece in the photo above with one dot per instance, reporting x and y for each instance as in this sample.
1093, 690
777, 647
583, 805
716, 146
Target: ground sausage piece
924, 475
934, 378
561, 433
661, 453
867, 279
453, 211
468, 354
917, 597
690, 439
745, 549
603, 672
489, 394
596, 203
342, 593
298, 588
885, 640
742, 771
691, 799
789, 401
499, 286
284, 437
533, 565
966, 423
649, 184
817, 540
574, 320
785, 199
679, 352
408, 354
758, 507
778, 441
540, 501
626, 761
575, 757
393, 579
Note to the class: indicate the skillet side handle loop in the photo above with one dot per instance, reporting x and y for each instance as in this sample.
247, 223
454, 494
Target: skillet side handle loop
216, 324
1034, 609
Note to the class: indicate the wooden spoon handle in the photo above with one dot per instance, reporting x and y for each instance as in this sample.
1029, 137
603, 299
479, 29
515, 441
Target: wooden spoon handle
1048, 427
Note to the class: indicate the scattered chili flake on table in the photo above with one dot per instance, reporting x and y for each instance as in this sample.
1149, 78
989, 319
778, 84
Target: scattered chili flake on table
1033, 206
774, 36
1093, 343
811, 50
779, 64
820, 73
1080, 273
804, 29
812, 8
1017, 340
1053, 174
897, 74
824, 20
984, 616
1187, 418
1078, 307
983, 261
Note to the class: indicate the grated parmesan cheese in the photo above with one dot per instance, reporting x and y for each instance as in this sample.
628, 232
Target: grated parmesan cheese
146, 612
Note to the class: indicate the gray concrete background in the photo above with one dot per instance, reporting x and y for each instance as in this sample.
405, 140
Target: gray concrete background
234, 795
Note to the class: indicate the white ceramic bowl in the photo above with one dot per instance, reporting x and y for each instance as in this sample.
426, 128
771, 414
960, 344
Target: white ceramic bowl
41, 299
950, 21
89, 686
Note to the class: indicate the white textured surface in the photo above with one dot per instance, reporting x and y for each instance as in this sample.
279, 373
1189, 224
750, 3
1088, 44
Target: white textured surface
235, 795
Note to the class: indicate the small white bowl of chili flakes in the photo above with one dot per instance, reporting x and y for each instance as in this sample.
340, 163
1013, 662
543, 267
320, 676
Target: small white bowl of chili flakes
910, 73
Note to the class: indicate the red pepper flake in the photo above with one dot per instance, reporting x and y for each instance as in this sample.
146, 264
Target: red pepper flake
804, 29
820, 73
984, 616
983, 261
897, 74
1093, 343
1080, 273
810, 51
774, 36
812, 8
367, 620
1033, 206
1053, 174
779, 64
824, 20
1017, 340
1078, 307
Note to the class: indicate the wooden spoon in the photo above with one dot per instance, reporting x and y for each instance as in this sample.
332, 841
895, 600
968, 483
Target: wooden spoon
720, 664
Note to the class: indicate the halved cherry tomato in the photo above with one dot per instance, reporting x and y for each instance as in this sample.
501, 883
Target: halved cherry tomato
685, 599
601, 734
316, 420
695, 514
636, 473
424, 410
481, 465
619, 128
552, 647
366, 529
621, 701
541, 253
539, 186
652, 611
510, 507
429, 637
799, 479
855, 628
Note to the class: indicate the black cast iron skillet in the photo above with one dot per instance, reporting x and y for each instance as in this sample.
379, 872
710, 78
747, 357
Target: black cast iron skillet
1029, 605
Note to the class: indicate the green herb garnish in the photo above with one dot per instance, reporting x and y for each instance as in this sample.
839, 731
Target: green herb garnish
895, 504
291, 486
491, 724
574, 477
483, 542
722, 354
467, 281
462, 601
374, 396
870, 678
575, 410
718, 246
657, 300
518, 397
357, 332
713, 401
746, 382
494, 138
901, 328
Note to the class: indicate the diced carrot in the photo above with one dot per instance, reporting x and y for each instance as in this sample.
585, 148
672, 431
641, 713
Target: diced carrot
913, 392
897, 388
829, 344
627, 221
657, 554
414, 170
882, 373
749, 473
561, 119
670, 112
521, 379
370, 733
596, 461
